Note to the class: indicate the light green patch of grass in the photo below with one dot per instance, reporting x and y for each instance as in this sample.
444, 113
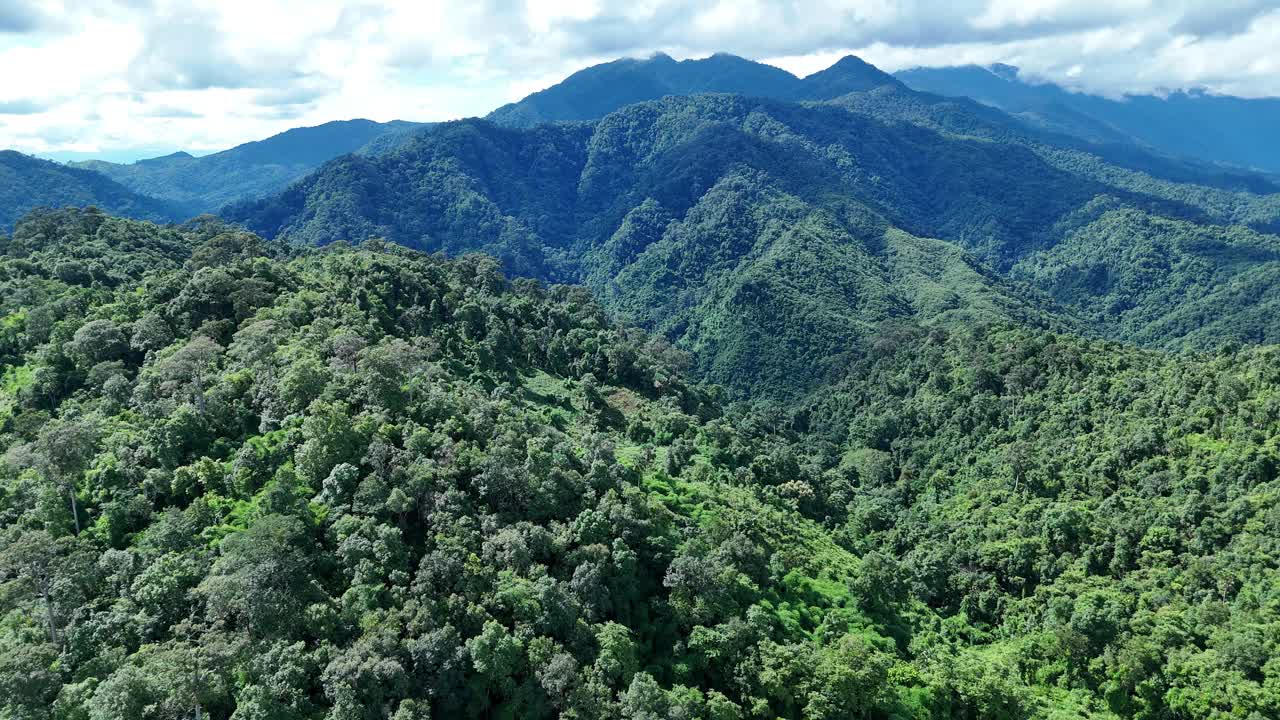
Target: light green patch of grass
544, 388
628, 454
11, 383
1204, 443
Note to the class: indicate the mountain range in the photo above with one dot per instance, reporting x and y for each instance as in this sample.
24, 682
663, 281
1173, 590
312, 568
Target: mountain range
27, 183
1215, 128
677, 390
196, 185
765, 221
765, 235
596, 91
1122, 132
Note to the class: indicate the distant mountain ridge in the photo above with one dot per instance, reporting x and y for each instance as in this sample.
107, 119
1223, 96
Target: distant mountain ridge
1217, 128
770, 233
255, 169
596, 91
27, 183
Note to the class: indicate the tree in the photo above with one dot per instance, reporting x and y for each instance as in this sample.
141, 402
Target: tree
187, 371
32, 556
97, 341
263, 580
62, 451
150, 333
29, 683
497, 656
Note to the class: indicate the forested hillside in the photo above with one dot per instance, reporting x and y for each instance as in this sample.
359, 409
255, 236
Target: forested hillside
27, 183
677, 391
1102, 518
680, 217
242, 480
249, 171
766, 237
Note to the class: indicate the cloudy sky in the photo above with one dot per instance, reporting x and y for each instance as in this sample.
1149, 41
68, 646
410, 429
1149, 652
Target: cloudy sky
123, 79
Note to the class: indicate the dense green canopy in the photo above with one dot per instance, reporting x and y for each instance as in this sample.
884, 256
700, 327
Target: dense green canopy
245, 481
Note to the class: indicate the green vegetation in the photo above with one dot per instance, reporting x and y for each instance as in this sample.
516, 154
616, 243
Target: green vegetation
27, 183
369, 483
1155, 280
1102, 517
993, 431
766, 238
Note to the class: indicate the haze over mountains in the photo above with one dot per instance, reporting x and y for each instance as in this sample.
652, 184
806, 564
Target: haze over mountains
1211, 127
204, 184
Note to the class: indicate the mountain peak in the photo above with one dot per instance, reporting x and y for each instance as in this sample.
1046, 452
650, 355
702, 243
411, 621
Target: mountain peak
179, 155
851, 61
848, 74
657, 58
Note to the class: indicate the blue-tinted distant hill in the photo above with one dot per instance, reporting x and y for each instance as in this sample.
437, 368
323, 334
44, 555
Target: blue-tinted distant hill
599, 90
27, 183
251, 170
1216, 128
594, 92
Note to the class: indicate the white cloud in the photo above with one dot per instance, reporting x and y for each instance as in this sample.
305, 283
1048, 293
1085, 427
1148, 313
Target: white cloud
98, 75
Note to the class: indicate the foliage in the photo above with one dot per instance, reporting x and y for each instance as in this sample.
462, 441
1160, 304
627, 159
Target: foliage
247, 479
1104, 516
27, 183
384, 484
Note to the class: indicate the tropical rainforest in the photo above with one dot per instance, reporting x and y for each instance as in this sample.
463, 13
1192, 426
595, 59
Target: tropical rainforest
847, 402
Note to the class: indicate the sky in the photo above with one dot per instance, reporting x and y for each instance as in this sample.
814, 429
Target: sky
124, 79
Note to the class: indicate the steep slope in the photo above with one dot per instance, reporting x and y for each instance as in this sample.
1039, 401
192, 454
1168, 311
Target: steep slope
252, 170
1215, 128
27, 183
757, 233
686, 217
768, 291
